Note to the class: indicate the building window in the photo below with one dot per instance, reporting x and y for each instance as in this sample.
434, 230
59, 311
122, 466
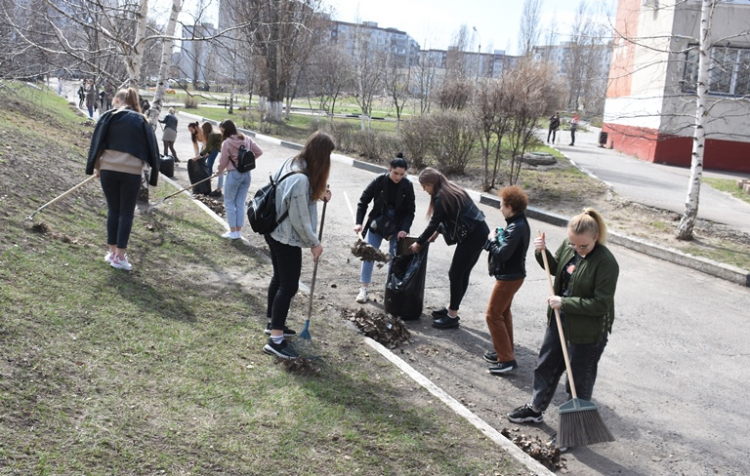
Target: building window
729, 71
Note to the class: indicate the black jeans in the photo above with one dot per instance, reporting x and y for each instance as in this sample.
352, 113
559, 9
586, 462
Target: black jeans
572, 137
121, 191
287, 268
584, 362
466, 256
552, 133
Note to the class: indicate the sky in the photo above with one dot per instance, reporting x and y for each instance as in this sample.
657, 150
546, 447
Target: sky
433, 23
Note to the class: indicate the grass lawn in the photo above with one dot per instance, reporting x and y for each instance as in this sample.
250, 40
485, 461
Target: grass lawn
160, 371
729, 186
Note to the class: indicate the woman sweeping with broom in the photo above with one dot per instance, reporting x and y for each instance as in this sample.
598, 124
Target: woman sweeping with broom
586, 275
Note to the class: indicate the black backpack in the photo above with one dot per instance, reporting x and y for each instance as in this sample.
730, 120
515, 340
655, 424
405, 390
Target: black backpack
245, 160
261, 211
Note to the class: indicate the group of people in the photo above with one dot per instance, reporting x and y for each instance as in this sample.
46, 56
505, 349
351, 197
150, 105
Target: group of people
584, 269
554, 125
585, 274
95, 98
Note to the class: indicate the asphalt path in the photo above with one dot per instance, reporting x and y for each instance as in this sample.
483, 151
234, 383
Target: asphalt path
655, 185
671, 381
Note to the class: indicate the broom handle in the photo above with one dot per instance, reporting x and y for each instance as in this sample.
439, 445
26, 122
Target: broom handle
315, 265
559, 324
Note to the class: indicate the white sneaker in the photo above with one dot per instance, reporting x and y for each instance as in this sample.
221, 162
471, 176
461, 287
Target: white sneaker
236, 235
362, 296
121, 263
108, 257
229, 234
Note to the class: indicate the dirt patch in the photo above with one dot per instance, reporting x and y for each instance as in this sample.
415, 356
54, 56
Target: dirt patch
300, 366
384, 328
217, 206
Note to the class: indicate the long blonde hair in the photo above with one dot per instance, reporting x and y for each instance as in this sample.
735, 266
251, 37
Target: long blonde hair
591, 222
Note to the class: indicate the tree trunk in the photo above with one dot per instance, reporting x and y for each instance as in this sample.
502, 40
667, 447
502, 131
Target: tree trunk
685, 230
135, 59
166, 61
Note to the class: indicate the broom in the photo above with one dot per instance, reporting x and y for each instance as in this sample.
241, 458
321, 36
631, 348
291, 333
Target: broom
580, 423
305, 334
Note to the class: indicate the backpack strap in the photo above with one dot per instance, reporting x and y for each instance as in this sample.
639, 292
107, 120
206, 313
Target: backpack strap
276, 183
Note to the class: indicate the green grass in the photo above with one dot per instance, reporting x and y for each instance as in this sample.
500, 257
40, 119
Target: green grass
729, 186
160, 371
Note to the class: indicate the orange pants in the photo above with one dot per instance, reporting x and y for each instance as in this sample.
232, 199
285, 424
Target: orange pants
500, 319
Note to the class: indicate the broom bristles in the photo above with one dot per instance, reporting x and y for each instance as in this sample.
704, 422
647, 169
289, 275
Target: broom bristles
582, 427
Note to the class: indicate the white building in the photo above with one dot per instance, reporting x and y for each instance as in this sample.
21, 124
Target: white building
651, 102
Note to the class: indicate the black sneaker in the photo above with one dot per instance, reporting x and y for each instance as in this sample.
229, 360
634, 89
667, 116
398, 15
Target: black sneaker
438, 313
287, 331
525, 414
283, 350
446, 322
215, 193
503, 367
490, 357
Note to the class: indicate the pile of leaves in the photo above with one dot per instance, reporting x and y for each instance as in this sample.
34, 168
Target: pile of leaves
217, 206
366, 252
300, 366
543, 451
384, 328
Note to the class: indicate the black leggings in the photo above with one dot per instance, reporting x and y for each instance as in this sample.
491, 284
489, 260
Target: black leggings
169, 145
466, 256
287, 268
121, 191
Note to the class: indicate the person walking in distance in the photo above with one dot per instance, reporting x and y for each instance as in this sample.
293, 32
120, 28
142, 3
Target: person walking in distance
573, 129
554, 125
586, 276
298, 197
237, 183
507, 263
81, 93
454, 215
169, 135
91, 97
390, 218
123, 145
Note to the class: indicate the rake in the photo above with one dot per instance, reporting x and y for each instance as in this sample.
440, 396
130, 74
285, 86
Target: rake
59, 197
580, 423
305, 334
159, 203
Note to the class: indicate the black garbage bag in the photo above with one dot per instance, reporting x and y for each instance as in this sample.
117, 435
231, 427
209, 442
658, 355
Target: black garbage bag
197, 171
166, 165
404, 289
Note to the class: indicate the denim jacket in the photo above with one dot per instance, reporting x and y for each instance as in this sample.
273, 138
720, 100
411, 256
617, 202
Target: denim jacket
293, 195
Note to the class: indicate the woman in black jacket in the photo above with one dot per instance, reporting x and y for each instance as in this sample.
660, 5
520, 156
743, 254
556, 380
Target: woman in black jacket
123, 145
457, 218
391, 216
507, 263
169, 135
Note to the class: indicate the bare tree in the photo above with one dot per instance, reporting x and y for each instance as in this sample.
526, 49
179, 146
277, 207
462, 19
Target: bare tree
530, 31
492, 110
397, 81
369, 65
331, 72
423, 80
165, 63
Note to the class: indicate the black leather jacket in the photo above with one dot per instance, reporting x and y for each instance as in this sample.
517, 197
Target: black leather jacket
454, 225
507, 260
169, 121
125, 130
377, 190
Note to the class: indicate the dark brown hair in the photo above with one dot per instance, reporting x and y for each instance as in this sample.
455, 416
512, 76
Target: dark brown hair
229, 130
515, 198
453, 196
207, 129
193, 128
317, 162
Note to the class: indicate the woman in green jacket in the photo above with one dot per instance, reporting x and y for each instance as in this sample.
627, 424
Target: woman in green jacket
585, 280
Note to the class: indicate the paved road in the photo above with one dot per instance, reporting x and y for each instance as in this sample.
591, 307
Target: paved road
671, 380
656, 185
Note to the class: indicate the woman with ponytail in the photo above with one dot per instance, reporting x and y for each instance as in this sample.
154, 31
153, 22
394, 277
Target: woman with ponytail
586, 275
123, 145
454, 215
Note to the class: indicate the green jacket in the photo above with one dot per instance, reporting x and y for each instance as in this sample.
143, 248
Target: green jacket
212, 144
590, 305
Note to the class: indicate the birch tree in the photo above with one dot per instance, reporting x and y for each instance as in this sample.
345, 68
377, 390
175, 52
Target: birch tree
165, 63
528, 36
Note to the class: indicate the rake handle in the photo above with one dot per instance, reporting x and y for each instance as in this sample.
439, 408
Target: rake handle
189, 186
558, 320
63, 195
315, 264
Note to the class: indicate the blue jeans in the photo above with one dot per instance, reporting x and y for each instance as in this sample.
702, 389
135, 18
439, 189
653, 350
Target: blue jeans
235, 196
287, 268
365, 275
121, 191
584, 362
210, 164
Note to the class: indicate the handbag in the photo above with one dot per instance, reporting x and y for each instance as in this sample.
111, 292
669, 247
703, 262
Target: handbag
384, 226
